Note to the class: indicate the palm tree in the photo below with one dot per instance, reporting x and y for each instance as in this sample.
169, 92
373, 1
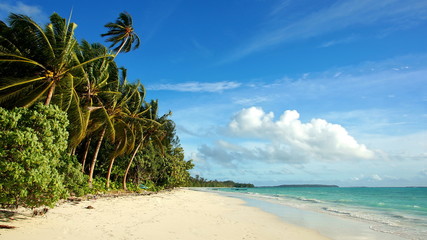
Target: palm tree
139, 128
99, 86
152, 132
103, 124
121, 32
113, 120
123, 121
36, 63
125, 143
106, 107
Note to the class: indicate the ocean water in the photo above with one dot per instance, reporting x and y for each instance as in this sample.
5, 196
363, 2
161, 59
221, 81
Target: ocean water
400, 213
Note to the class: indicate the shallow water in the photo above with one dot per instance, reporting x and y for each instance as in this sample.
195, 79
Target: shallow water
346, 213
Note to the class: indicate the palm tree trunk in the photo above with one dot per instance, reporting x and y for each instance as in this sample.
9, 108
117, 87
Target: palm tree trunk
85, 154
50, 94
110, 167
72, 151
130, 163
117, 53
92, 166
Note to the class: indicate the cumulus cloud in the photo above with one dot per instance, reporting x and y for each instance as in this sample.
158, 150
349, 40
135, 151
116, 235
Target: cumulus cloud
285, 140
197, 86
317, 137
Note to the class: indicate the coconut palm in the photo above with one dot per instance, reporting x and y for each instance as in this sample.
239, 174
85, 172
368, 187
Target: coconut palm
152, 132
123, 121
121, 32
139, 127
99, 86
36, 63
113, 119
125, 140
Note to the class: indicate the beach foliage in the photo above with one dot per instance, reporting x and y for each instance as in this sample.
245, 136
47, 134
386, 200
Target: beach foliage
33, 156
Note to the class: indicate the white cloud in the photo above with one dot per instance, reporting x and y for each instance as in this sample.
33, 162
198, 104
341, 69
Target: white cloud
196, 86
376, 177
411, 147
318, 138
339, 41
263, 139
33, 11
250, 101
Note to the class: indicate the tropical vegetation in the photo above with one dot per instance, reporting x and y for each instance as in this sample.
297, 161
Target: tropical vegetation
72, 123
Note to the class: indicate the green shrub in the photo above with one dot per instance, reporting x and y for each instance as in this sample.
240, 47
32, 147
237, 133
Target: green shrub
32, 143
98, 185
74, 180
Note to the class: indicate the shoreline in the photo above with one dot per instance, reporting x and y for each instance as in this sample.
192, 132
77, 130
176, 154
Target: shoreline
331, 226
179, 214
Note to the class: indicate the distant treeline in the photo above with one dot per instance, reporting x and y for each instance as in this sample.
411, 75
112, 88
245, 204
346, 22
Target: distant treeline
306, 185
201, 182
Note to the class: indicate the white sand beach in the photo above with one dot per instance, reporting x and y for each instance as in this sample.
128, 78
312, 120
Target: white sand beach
179, 214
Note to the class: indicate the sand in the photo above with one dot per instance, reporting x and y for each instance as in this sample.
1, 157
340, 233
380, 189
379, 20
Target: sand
180, 214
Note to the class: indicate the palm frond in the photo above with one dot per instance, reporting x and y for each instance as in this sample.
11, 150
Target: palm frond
86, 62
7, 46
11, 97
13, 82
17, 19
65, 89
79, 121
17, 58
35, 95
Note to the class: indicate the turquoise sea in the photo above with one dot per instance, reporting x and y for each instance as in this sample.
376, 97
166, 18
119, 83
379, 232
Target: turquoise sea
400, 213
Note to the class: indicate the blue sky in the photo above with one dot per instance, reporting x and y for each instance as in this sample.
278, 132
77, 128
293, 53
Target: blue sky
275, 92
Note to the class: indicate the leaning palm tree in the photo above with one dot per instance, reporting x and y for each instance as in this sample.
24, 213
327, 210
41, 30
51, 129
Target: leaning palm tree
99, 86
36, 63
140, 125
123, 119
102, 126
122, 32
152, 132
111, 119
124, 142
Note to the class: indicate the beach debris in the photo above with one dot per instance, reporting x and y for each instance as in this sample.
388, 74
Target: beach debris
74, 199
7, 227
89, 207
7, 214
91, 197
40, 212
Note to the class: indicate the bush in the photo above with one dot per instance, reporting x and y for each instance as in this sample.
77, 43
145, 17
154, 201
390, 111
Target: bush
32, 143
74, 180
